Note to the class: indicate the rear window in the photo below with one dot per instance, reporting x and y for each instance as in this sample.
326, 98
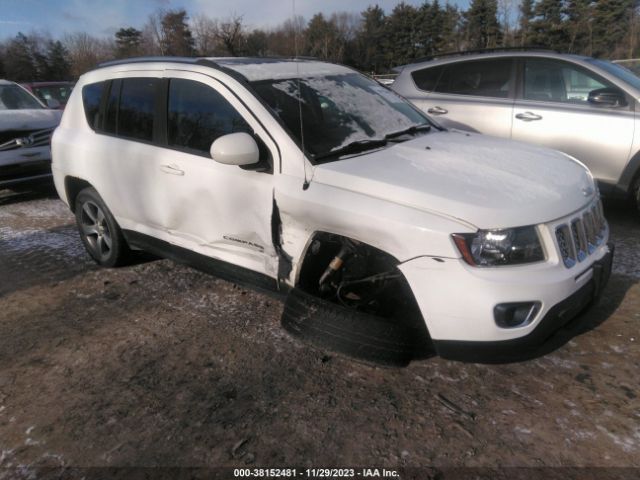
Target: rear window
427, 78
481, 78
91, 97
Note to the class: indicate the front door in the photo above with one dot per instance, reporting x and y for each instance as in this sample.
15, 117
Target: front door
222, 211
553, 110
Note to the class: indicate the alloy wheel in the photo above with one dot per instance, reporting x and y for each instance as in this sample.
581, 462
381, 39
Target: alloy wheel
96, 229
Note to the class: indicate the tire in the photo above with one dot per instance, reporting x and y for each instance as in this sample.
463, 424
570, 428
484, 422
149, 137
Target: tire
355, 334
99, 231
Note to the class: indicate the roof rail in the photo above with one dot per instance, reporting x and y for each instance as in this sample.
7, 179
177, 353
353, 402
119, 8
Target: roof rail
484, 50
125, 61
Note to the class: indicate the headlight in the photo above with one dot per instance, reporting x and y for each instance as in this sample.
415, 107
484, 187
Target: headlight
491, 248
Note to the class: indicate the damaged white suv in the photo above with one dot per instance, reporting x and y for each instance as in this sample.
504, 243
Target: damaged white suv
389, 234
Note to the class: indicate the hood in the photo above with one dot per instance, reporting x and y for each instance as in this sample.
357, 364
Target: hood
480, 180
35, 119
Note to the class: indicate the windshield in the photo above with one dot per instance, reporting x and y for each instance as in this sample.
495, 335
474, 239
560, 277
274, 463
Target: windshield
337, 110
622, 73
58, 92
13, 97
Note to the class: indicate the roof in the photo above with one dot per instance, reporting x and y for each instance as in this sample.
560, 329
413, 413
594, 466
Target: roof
6, 82
456, 57
250, 68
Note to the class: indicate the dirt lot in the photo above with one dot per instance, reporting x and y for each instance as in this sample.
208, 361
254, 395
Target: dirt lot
159, 365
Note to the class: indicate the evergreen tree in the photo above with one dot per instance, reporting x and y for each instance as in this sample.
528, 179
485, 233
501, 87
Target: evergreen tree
579, 26
370, 40
401, 45
548, 27
611, 27
176, 35
58, 66
451, 30
483, 28
128, 42
321, 38
19, 63
429, 28
256, 44
524, 23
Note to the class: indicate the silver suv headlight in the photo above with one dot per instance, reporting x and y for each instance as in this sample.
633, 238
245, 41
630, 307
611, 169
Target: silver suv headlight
492, 248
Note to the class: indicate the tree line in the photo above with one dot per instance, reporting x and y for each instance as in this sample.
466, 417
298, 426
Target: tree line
371, 41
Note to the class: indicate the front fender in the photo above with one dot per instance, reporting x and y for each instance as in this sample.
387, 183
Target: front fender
400, 231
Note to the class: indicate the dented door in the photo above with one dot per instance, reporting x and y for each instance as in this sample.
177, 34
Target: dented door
222, 211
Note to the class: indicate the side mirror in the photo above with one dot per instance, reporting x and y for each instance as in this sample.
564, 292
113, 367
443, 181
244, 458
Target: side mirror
235, 149
53, 103
607, 97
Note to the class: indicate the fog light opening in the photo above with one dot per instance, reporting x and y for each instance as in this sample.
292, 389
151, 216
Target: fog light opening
513, 315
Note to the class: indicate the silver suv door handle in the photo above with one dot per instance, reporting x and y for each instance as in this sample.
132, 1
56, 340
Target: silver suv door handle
437, 111
172, 169
528, 116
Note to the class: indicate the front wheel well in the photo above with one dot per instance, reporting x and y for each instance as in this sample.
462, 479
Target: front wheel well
72, 187
358, 276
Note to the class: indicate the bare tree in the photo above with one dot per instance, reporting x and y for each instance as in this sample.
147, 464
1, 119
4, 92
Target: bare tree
231, 33
506, 16
205, 32
86, 51
152, 34
288, 39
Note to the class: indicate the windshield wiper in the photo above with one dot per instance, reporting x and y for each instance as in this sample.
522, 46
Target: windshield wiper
407, 131
353, 147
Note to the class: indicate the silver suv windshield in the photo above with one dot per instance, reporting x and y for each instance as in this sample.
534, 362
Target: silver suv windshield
12, 97
338, 111
618, 71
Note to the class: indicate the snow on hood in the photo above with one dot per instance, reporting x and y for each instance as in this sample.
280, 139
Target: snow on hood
29, 119
482, 180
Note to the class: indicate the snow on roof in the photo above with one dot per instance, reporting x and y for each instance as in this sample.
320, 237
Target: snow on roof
254, 69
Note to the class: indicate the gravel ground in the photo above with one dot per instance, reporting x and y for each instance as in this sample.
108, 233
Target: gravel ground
158, 365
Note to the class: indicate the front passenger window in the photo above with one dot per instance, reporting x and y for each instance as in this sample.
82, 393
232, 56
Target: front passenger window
197, 115
554, 81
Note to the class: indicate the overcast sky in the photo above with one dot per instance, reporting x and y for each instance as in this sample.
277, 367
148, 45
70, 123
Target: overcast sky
104, 17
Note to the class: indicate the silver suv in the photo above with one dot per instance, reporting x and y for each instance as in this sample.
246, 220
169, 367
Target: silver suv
585, 107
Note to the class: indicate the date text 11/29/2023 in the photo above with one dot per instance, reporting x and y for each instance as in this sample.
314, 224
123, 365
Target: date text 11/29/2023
315, 473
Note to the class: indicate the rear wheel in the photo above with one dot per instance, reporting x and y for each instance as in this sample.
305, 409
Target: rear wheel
99, 231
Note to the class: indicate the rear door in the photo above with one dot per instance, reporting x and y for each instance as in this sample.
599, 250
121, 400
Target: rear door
473, 95
552, 110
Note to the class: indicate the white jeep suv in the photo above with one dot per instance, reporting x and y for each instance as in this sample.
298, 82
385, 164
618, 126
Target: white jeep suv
389, 234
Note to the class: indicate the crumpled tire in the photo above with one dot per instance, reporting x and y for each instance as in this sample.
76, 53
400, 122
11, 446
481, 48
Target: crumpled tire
355, 334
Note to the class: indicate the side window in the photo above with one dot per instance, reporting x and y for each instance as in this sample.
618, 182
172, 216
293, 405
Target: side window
427, 78
482, 78
136, 111
197, 115
111, 110
554, 81
91, 97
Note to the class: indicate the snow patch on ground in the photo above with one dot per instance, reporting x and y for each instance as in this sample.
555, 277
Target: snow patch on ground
65, 241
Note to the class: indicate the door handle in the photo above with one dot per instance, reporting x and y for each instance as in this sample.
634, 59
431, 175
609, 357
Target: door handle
437, 111
172, 169
528, 116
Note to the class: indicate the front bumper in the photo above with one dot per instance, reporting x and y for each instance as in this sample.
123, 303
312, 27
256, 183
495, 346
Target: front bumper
557, 317
26, 165
457, 301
